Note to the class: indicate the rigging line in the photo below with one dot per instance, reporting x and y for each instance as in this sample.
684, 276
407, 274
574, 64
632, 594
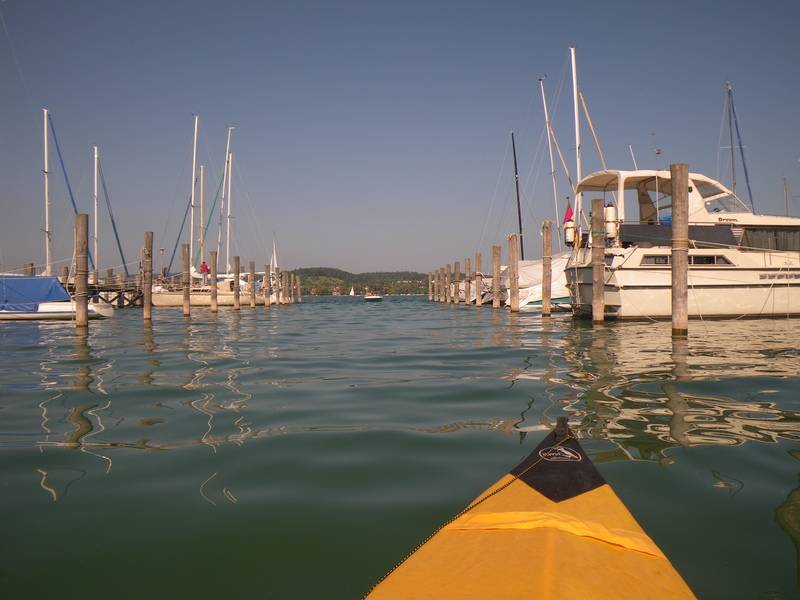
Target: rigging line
721, 131
66, 177
494, 194
180, 234
741, 152
240, 178
111, 216
210, 216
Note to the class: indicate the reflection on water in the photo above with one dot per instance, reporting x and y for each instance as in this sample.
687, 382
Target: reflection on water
643, 390
336, 411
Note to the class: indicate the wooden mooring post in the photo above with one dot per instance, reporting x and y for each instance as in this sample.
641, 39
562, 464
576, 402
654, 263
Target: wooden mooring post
291, 288
237, 272
496, 254
547, 266
267, 288
447, 280
440, 284
467, 281
430, 287
251, 281
598, 260
456, 282
109, 276
64, 274
147, 265
81, 270
679, 174
120, 290
299, 289
478, 280
214, 284
513, 271
186, 281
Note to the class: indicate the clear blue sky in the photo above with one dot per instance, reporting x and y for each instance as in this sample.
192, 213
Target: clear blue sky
370, 135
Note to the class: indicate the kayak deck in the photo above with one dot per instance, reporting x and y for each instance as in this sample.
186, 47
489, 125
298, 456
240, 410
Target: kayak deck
551, 528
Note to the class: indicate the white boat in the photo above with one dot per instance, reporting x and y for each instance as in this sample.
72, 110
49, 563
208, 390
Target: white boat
741, 264
352, 292
41, 297
372, 297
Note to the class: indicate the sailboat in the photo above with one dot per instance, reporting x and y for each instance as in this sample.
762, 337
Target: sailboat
165, 295
352, 292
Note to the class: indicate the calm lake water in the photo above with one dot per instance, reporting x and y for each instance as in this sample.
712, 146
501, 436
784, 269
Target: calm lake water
299, 453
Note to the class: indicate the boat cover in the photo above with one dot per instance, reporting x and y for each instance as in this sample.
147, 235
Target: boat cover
22, 293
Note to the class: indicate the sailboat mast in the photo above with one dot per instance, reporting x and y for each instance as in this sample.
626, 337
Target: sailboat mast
96, 232
729, 93
578, 196
228, 226
48, 239
550, 152
194, 181
222, 203
519, 208
202, 213
786, 195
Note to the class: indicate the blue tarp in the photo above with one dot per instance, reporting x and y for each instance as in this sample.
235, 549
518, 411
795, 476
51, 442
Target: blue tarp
19, 293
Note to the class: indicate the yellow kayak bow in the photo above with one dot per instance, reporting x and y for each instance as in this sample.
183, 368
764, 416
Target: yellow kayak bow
551, 528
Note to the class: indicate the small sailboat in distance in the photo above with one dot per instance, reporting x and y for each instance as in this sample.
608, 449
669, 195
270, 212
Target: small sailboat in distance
352, 291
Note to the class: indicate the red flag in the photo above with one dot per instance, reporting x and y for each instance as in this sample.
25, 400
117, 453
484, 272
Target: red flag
568, 214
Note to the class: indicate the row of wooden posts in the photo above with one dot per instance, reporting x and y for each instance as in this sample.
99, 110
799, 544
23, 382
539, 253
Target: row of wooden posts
444, 283
287, 291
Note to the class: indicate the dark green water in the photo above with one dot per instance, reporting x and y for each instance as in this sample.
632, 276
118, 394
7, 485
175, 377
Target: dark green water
302, 452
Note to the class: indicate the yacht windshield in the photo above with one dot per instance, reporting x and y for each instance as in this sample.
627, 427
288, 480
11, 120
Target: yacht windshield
726, 203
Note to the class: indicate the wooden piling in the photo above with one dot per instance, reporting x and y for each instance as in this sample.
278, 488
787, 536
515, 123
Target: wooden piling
299, 289
237, 271
439, 285
467, 281
120, 290
513, 271
430, 287
478, 280
547, 266
81, 270
291, 288
456, 282
147, 265
214, 284
598, 260
109, 276
251, 281
284, 286
64, 275
496, 253
679, 174
186, 281
447, 280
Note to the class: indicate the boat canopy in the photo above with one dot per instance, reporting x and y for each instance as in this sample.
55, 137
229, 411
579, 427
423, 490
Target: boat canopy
707, 197
23, 293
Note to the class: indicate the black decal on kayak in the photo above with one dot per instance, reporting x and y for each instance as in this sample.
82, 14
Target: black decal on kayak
559, 469
559, 453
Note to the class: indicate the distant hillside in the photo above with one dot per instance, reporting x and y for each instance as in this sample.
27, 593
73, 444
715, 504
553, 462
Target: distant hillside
327, 280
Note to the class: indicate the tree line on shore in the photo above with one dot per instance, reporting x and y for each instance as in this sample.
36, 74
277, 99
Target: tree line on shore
327, 280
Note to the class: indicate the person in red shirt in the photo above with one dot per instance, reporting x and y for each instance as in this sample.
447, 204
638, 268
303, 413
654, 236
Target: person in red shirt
204, 271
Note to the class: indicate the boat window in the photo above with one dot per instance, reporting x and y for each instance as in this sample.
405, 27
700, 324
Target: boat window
663, 260
707, 189
656, 259
725, 204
